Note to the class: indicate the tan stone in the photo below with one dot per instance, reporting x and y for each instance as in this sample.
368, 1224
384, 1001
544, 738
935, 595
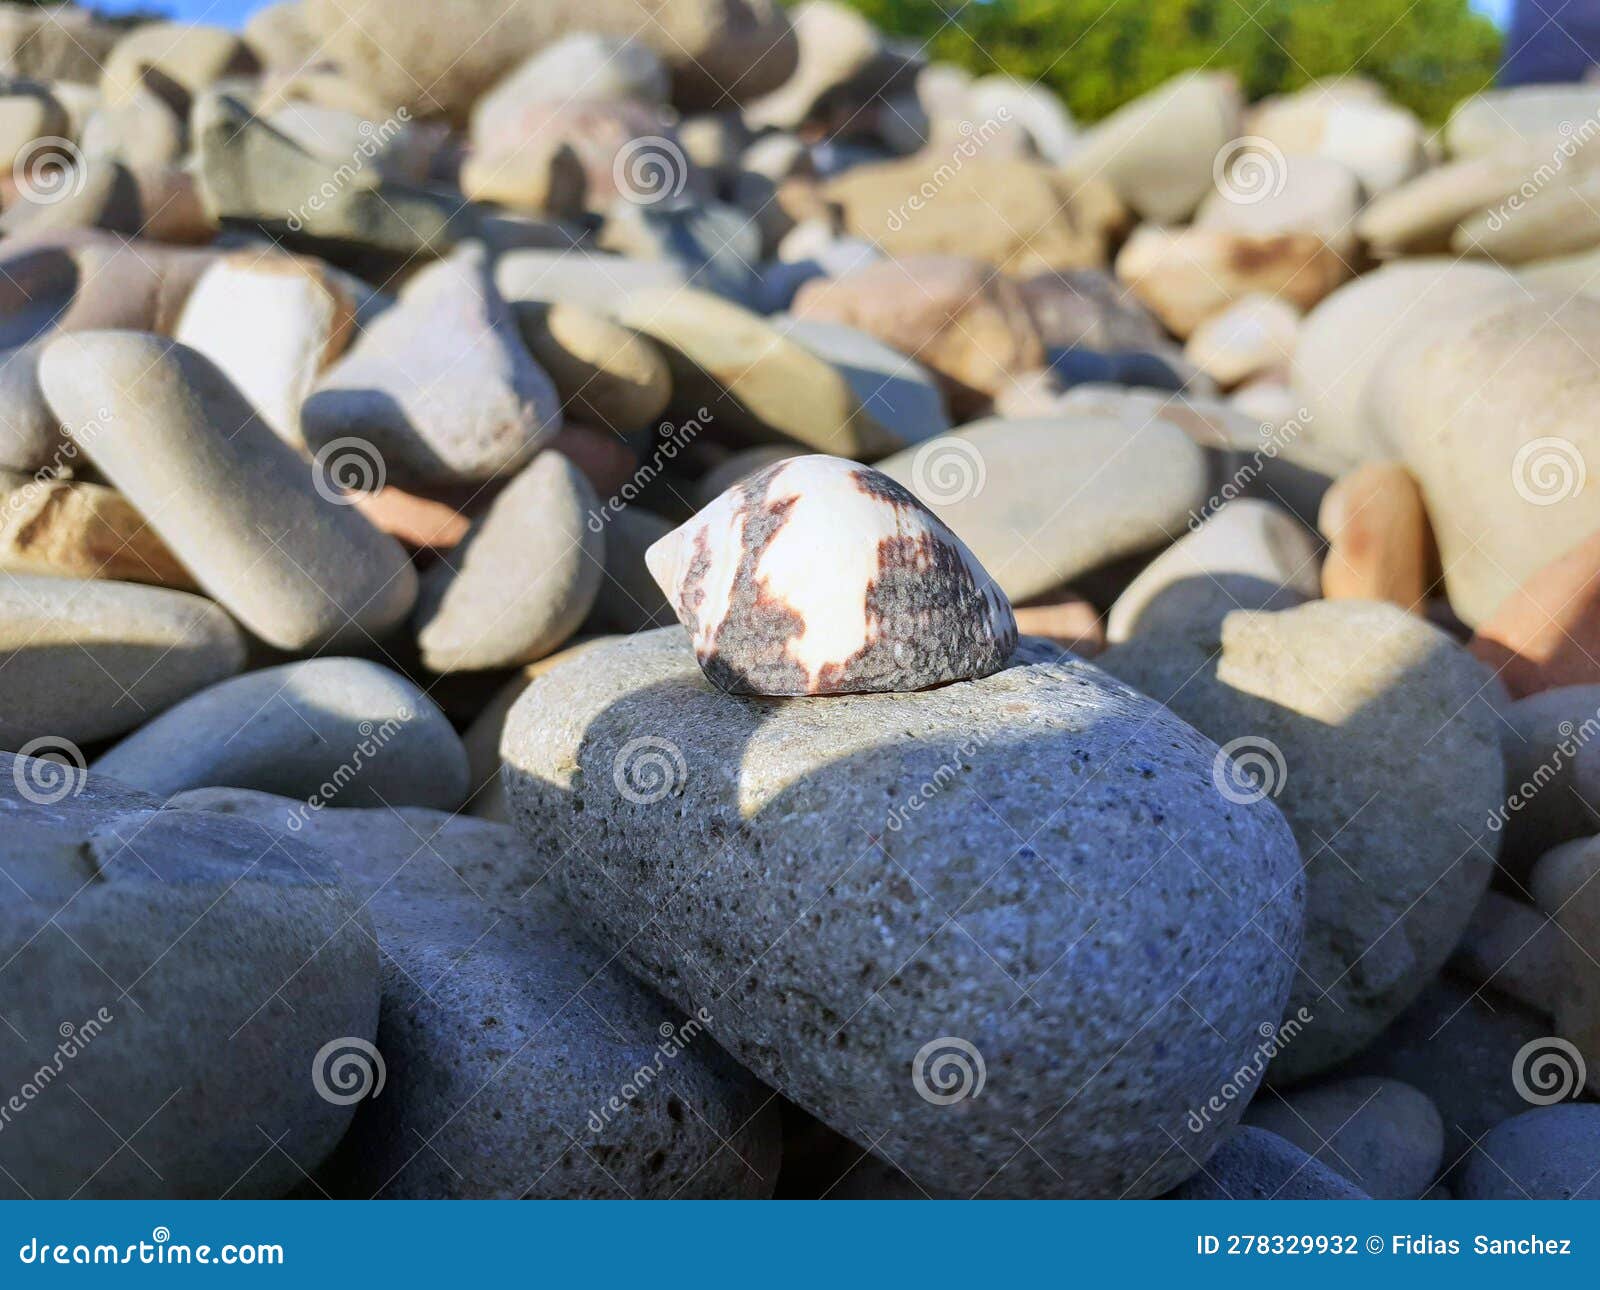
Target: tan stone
604, 373
73, 529
1379, 544
1547, 632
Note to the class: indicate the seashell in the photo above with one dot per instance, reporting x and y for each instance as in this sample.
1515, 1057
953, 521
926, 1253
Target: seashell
822, 576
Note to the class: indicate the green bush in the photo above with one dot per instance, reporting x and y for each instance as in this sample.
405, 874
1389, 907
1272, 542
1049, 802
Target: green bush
1098, 54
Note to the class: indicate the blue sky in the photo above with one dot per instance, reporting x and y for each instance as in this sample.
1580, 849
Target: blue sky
232, 13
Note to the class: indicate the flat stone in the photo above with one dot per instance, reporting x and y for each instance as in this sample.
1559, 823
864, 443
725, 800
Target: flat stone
755, 382
582, 65
507, 1035
895, 391
242, 511
182, 974
522, 580
1381, 1134
1375, 734
604, 374
326, 730
1253, 338
1267, 195
841, 984
1515, 948
1521, 113
441, 384
84, 660
1245, 555
1041, 501
597, 283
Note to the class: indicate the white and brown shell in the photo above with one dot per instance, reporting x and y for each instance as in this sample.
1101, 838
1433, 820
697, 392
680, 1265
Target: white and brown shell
822, 576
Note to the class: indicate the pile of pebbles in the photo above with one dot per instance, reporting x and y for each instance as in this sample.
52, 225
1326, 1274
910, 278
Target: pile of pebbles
706, 607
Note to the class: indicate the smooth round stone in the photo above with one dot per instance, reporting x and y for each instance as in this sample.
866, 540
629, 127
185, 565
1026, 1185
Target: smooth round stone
1421, 216
1306, 194
271, 324
828, 977
1251, 339
238, 506
1158, 151
715, 247
30, 436
1563, 884
1547, 1153
185, 970
579, 66
1375, 734
756, 382
1490, 409
1253, 1164
68, 529
522, 580
1552, 774
441, 384
1383, 1135
1041, 501
1551, 221
1458, 1045
604, 374
1380, 546
1515, 948
1347, 337
1246, 555
506, 1034
329, 731
84, 660
1382, 143
896, 391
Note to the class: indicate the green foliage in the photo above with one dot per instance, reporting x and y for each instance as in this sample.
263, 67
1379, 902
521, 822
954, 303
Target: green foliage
1098, 54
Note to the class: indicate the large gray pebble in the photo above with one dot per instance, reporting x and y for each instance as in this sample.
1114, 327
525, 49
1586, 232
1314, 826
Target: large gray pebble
1381, 1134
1548, 1153
1371, 730
1035, 864
176, 977
84, 659
328, 731
506, 1035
